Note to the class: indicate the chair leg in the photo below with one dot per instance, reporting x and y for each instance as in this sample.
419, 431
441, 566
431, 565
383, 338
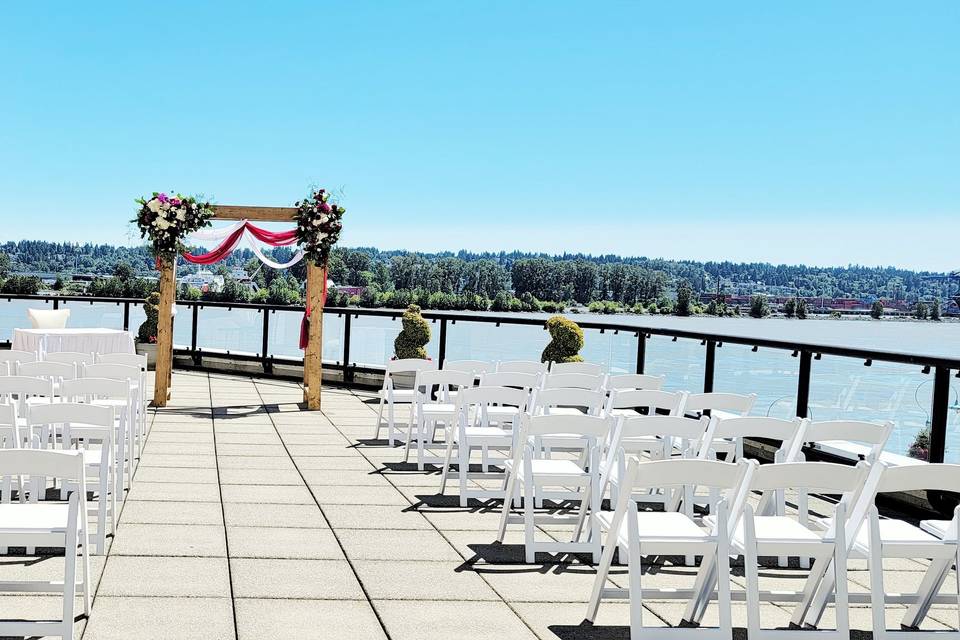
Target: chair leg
636, 570
753, 579
510, 480
391, 424
445, 468
102, 514
529, 524
463, 468
70, 565
878, 600
376, 432
933, 579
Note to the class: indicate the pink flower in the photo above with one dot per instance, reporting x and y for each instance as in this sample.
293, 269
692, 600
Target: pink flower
162, 197
175, 201
324, 207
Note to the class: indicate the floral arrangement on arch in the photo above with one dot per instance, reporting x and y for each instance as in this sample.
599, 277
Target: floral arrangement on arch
167, 219
319, 221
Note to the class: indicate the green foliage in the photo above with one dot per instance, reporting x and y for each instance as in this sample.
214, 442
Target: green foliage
935, 310
413, 338
684, 296
836, 314
790, 307
4, 265
876, 310
920, 448
22, 285
59, 284
801, 309
148, 330
566, 340
759, 307
920, 311
638, 309
188, 292
283, 292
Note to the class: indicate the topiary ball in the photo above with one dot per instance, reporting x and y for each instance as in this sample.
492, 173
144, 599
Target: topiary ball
414, 336
566, 340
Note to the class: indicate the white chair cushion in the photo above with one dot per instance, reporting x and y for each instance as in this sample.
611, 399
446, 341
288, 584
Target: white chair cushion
48, 318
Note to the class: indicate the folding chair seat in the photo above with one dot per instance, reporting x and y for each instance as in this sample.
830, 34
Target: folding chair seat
433, 406
529, 472
391, 395
36, 523
645, 534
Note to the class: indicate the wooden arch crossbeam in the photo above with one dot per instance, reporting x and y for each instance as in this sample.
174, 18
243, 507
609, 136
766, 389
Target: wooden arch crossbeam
312, 369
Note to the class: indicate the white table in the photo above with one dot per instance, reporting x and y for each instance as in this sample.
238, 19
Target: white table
75, 340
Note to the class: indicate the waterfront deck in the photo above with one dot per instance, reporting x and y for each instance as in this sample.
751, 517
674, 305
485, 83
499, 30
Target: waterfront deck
250, 518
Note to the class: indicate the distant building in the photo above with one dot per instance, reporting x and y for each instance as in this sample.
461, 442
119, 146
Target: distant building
204, 280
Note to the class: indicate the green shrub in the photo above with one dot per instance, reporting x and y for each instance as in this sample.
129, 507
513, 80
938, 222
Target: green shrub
22, 285
790, 307
148, 330
920, 311
188, 292
261, 295
920, 449
759, 308
876, 310
684, 297
566, 340
935, 310
801, 309
638, 309
414, 336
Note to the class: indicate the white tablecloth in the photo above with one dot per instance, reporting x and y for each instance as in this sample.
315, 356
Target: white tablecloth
75, 340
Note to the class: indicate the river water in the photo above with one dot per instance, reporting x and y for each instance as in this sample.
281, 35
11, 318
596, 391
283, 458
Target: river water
841, 388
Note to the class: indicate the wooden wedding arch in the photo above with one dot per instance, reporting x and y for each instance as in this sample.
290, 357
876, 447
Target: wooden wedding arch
312, 369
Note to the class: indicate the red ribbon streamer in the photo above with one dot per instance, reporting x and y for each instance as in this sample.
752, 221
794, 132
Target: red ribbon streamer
305, 322
272, 238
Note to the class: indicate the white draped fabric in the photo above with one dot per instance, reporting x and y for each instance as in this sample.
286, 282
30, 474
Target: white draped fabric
75, 340
220, 234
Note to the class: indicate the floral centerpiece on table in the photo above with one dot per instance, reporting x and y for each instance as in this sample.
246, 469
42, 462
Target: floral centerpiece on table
167, 219
319, 221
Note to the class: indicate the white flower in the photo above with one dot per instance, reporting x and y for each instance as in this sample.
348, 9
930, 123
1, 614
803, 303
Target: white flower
161, 223
181, 215
316, 223
153, 205
324, 217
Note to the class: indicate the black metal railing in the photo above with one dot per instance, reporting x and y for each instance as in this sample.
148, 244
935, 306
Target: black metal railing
941, 367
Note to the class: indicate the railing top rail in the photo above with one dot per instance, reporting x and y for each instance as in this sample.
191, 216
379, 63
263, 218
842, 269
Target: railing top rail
879, 355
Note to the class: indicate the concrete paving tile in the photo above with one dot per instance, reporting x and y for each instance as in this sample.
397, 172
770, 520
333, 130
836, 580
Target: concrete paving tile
169, 540
304, 450
47, 568
117, 618
671, 613
481, 519
273, 515
171, 577
387, 495
413, 580
261, 476
259, 450
254, 462
179, 448
345, 477
174, 492
173, 460
176, 474
322, 579
349, 461
229, 437
437, 620
272, 619
277, 542
150, 512
539, 583
299, 439
201, 437
378, 544
41, 607
555, 620
356, 516
266, 494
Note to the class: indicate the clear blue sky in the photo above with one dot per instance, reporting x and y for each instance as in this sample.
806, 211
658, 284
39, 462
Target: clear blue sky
818, 132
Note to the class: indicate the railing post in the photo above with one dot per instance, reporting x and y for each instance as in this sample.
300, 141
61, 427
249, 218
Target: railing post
193, 336
803, 384
441, 356
347, 369
709, 365
939, 411
126, 315
641, 351
56, 303
264, 343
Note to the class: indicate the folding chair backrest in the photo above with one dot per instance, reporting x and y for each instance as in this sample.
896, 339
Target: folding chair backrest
590, 401
49, 370
734, 403
503, 396
639, 430
442, 378
475, 367
788, 432
919, 477
526, 381
596, 427
678, 472
654, 401
873, 435
10, 360
635, 381
64, 465
95, 388
522, 366
824, 477
9, 433
111, 371
405, 366
78, 413
588, 368
573, 381
129, 359
69, 357
24, 387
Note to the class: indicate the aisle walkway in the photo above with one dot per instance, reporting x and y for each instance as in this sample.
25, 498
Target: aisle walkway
251, 519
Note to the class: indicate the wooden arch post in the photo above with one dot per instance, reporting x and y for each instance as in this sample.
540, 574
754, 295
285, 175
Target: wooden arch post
312, 365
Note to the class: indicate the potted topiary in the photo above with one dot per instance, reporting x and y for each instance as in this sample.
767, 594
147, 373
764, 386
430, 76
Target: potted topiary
413, 338
147, 333
566, 340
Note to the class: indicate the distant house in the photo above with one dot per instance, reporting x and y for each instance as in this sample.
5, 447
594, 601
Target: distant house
351, 291
204, 280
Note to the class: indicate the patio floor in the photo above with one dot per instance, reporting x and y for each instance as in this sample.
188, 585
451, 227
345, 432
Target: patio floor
252, 519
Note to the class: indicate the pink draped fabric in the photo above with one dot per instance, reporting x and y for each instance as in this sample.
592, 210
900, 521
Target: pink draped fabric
272, 238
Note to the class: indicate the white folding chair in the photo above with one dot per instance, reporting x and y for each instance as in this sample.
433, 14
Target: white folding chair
780, 535
133, 375
478, 426
720, 405
83, 426
574, 381
627, 381
56, 372
11, 359
566, 401
391, 395
47, 524
24, 391
10, 438
116, 394
892, 538
522, 366
132, 360
476, 367
529, 471
588, 368
69, 357
646, 533
516, 380
433, 404
633, 402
